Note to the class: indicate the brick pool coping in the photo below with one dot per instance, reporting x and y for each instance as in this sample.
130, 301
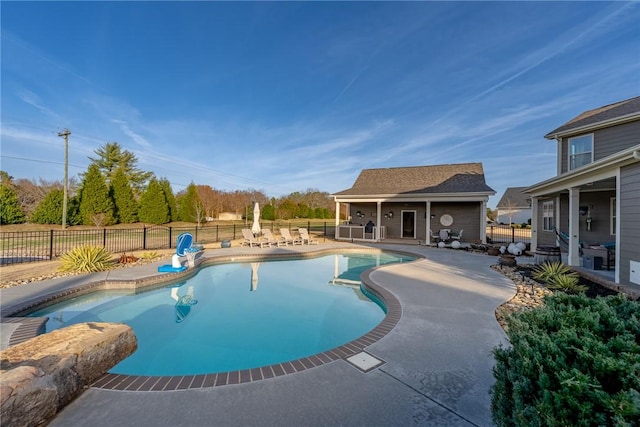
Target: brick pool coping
182, 382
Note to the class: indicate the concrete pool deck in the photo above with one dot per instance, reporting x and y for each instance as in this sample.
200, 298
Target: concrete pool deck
437, 366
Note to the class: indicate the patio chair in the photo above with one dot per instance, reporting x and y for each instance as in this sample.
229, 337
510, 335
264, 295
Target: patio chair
286, 235
251, 241
445, 234
457, 236
434, 236
269, 237
304, 235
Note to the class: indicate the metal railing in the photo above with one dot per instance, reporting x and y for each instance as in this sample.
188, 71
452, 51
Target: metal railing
33, 246
507, 234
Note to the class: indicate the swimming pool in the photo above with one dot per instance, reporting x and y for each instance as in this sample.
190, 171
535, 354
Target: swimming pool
239, 315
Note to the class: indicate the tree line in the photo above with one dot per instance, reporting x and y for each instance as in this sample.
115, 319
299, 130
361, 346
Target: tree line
114, 191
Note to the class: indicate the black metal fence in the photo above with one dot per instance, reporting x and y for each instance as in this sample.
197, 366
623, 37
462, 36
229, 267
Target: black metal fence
507, 234
32, 246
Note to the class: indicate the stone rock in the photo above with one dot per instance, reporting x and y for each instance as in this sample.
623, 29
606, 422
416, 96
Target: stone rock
58, 365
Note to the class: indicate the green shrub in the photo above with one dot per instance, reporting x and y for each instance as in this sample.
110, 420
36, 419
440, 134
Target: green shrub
149, 255
86, 259
574, 361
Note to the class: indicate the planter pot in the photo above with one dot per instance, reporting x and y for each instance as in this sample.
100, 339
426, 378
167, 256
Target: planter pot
507, 260
493, 251
225, 243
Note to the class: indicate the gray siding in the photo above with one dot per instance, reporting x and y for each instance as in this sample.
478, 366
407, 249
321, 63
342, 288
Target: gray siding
466, 216
606, 142
600, 202
614, 139
629, 217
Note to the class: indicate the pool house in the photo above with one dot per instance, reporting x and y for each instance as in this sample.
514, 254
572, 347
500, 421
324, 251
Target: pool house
415, 204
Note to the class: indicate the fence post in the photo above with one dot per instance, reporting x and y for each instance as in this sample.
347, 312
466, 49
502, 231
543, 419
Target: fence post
51, 244
170, 230
513, 234
324, 227
104, 237
217, 232
144, 237
196, 233
234, 232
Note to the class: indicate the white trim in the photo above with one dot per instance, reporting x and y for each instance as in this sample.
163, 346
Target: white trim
594, 126
607, 167
569, 151
613, 215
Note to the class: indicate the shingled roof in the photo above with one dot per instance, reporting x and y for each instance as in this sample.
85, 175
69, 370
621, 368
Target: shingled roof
599, 117
513, 197
456, 178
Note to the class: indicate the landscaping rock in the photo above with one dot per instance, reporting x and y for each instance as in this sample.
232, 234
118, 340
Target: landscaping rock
43, 374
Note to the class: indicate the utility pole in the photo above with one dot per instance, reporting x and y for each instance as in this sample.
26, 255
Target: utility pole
65, 134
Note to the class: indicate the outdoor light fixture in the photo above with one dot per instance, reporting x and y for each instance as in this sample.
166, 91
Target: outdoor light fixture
359, 214
389, 215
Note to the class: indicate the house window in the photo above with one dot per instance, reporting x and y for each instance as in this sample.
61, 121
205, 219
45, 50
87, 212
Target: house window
580, 151
548, 223
612, 214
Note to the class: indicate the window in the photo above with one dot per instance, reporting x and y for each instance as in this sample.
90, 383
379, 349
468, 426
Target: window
548, 224
612, 215
580, 151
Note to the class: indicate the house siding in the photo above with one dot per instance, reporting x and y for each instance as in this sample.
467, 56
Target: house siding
600, 203
629, 217
465, 215
615, 139
606, 142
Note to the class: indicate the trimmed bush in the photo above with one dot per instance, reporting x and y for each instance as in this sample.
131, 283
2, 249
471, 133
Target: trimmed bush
86, 259
573, 361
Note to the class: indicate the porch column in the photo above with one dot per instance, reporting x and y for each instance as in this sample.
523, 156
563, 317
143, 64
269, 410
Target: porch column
427, 234
483, 221
378, 220
337, 216
534, 223
574, 231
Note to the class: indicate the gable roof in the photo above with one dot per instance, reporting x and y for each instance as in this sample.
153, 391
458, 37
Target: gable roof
514, 197
608, 115
455, 178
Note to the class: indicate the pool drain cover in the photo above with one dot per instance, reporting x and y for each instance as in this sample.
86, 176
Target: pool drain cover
364, 361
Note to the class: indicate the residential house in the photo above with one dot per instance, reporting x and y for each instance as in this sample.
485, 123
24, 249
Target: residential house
408, 202
595, 198
514, 207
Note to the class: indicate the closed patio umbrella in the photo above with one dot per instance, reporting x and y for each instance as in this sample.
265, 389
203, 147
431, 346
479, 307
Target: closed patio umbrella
255, 228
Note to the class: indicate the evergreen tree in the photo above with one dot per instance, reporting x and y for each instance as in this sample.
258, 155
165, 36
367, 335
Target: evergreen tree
10, 210
126, 208
170, 198
188, 207
268, 212
112, 157
154, 208
96, 205
49, 210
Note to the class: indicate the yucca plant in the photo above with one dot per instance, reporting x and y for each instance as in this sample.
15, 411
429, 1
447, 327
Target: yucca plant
149, 255
567, 283
86, 259
548, 271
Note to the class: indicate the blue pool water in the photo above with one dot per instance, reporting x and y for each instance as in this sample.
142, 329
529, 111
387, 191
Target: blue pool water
237, 316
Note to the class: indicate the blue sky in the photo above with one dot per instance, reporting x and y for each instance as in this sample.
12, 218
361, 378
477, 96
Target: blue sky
287, 96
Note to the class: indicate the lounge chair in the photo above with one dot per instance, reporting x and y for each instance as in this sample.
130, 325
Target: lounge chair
304, 236
286, 235
457, 236
251, 241
269, 237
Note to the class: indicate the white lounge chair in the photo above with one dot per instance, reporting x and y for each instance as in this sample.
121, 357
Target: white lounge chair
304, 235
269, 237
251, 241
286, 234
457, 236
